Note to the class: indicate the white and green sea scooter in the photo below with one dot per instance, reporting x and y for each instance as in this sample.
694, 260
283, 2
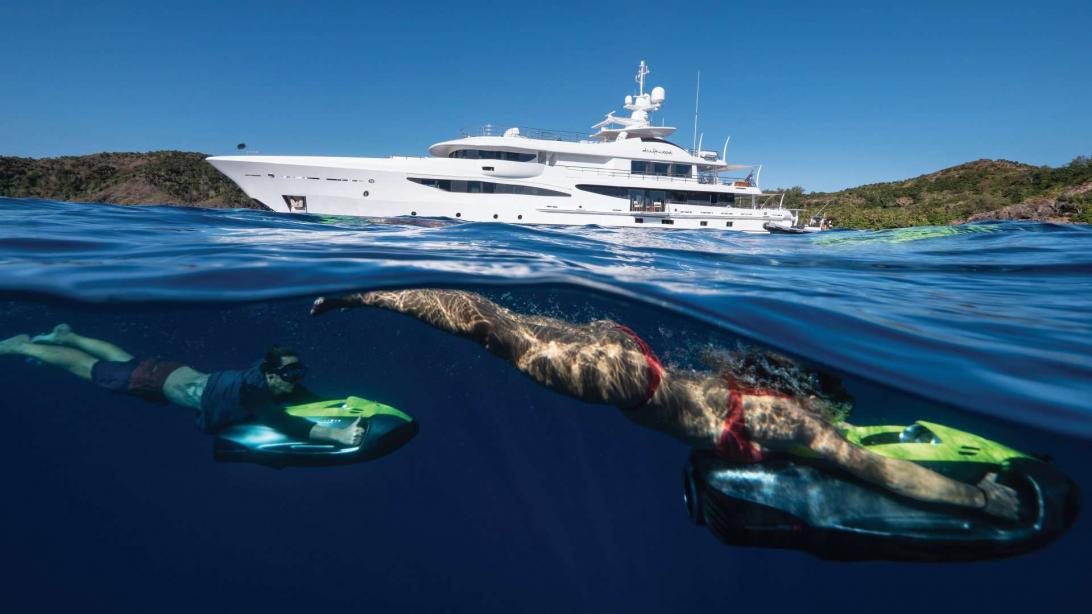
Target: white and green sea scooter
385, 430
799, 502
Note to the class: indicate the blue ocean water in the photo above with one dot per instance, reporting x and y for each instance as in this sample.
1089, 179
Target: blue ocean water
512, 497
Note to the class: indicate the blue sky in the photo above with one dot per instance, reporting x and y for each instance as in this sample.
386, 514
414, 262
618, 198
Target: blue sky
825, 94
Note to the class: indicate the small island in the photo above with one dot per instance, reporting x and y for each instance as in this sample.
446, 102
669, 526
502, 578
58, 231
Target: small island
975, 191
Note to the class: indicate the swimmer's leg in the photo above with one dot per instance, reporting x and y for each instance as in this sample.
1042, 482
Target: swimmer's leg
593, 362
463, 313
13, 345
63, 335
781, 424
77, 362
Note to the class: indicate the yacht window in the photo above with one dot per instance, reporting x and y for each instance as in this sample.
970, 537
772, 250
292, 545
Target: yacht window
660, 168
486, 154
653, 139
638, 167
680, 170
675, 196
484, 187
667, 221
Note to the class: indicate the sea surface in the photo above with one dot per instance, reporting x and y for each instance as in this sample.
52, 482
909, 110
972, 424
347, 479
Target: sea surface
512, 497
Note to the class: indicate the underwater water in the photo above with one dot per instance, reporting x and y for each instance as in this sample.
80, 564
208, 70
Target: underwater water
512, 497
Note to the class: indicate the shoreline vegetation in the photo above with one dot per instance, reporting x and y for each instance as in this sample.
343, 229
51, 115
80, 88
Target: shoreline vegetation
975, 191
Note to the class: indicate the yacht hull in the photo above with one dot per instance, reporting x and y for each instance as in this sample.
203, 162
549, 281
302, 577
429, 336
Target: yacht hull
386, 187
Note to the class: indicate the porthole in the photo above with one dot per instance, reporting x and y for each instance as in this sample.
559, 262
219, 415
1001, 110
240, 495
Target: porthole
458, 215
494, 216
413, 213
519, 217
365, 193
371, 181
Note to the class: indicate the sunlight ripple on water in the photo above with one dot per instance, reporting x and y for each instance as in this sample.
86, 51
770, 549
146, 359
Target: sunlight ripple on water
992, 318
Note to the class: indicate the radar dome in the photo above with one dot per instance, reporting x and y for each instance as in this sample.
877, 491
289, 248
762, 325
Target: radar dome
658, 94
629, 99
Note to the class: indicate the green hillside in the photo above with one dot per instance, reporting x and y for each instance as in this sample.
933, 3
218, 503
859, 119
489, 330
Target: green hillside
158, 177
979, 190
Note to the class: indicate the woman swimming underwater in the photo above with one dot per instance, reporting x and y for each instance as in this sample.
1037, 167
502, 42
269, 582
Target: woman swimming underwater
742, 411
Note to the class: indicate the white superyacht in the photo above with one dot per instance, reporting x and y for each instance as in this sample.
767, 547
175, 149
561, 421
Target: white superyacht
626, 174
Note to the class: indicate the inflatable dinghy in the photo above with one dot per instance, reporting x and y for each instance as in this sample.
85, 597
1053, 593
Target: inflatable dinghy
796, 502
775, 228
385, 430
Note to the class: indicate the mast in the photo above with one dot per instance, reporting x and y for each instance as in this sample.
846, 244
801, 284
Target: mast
697, 97
641, 72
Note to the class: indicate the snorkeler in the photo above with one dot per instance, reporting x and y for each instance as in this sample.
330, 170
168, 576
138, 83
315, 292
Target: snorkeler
749, 407
221, 398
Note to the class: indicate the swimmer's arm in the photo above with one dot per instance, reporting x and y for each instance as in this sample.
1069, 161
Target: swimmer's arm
912, 480
901, 476
350, 435
293, 426
304, 429
782, 424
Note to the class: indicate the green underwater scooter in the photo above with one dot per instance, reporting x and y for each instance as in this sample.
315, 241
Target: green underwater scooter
385, 430
799, 502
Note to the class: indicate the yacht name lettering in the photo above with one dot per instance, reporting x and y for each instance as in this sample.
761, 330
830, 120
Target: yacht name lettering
658, 151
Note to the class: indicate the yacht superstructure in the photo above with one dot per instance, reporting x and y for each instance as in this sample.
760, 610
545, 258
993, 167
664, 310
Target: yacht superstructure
625, 174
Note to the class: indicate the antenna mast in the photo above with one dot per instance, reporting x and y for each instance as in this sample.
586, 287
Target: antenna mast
697, 97
641, 72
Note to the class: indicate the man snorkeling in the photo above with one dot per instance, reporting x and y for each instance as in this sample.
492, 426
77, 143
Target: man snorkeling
752, 405
221, 398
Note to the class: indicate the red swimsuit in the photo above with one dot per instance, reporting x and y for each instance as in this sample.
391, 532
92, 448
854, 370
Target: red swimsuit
734, 443
655, 369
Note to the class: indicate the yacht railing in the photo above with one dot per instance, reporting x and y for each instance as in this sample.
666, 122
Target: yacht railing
758, 201
544, 134
705, 179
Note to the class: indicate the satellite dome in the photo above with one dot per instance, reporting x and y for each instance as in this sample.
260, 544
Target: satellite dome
629, 99
658, 94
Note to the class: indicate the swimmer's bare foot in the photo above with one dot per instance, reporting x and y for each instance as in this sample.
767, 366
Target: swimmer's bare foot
11, 345
329, 303
389, 299
1001, 501
55, 337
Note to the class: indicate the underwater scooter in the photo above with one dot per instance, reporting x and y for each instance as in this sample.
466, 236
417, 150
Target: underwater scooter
796, 502
385, 430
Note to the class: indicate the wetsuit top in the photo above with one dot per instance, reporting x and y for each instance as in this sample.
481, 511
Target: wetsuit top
231, 397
